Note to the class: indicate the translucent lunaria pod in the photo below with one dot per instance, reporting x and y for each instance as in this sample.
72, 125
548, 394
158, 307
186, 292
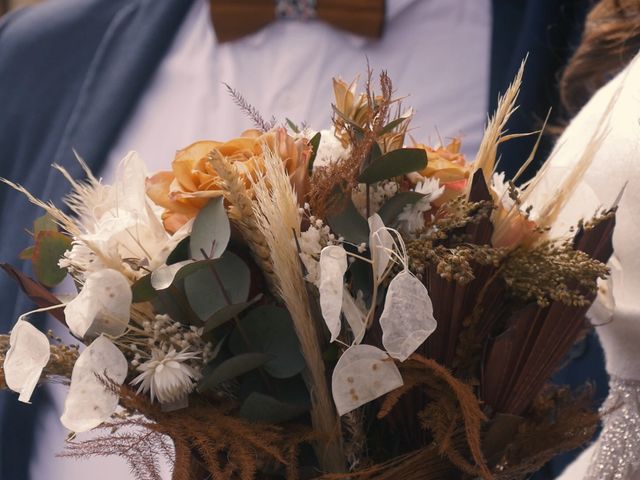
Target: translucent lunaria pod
333, 265
28, 354
102, 306
363, 374
407, 318
90, 400
380, 242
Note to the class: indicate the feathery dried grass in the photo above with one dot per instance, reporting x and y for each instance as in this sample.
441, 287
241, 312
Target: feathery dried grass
277, 216
494, 133
61, 218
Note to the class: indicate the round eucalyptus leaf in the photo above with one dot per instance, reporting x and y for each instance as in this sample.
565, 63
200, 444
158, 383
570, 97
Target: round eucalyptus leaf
269, 329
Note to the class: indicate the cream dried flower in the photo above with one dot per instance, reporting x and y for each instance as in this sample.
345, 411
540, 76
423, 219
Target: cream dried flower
167, 376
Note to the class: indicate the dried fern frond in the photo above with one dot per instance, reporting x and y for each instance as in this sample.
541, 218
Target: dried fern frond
278, 218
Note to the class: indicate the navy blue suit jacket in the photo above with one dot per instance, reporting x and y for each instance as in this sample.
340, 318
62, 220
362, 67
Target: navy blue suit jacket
71, 72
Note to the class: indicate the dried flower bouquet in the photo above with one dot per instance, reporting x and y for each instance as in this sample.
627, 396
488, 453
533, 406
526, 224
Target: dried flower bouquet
302, 304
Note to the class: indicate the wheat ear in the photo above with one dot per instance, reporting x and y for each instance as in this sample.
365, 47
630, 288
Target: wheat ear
241, 211
278, 217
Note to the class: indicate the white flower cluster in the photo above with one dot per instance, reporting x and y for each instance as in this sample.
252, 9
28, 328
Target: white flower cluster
330, 148
171, 363
311, 242
411, 219
120, 227
378, 194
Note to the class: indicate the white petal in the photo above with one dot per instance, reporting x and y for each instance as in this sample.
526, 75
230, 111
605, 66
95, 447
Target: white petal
333, 265
28, 354
354, 315
407, 319
380, 242
90, 402
362, 374
102, 306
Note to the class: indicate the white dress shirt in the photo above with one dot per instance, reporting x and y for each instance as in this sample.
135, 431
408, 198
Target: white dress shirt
436, 51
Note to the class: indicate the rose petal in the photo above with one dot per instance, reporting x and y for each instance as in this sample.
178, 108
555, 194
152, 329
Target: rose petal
333, 265
90, 401
28, 354
380, 242
407, 319
102, 306
362, 374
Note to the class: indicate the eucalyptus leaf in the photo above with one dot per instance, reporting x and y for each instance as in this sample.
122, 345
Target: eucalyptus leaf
394, 164
142, 290
211, 231
45, 223
259, 407
204, 285
393, 207
49, 248
165, 275
180, 253
227, 313
269, 329
232, 368
348, 223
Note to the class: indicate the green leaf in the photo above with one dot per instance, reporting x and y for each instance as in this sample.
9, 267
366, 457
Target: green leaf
393, 124
269, 329
393, 164
393, 207
259, 407
45, 223
357, 128
180, 253
349, 224
227, 313
232, 368
49, 248
315, 144
142, 290
294, 128
203, 284
211, 231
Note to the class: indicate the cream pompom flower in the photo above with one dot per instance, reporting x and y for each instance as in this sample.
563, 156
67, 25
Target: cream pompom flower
167, 376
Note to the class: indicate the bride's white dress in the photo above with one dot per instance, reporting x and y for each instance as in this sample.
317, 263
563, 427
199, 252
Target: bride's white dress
615, 110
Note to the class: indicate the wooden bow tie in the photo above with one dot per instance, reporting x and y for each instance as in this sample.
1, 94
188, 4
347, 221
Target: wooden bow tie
234, 19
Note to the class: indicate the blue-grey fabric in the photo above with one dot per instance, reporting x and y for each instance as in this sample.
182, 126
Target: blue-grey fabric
71, 73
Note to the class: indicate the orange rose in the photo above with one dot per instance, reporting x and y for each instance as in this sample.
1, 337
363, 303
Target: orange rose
192, 180
448, 165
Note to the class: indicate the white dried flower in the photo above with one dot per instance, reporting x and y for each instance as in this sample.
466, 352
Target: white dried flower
167, 377
501, 188
412, 217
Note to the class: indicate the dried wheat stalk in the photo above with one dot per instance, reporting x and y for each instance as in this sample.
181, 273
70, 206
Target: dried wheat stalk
277, 216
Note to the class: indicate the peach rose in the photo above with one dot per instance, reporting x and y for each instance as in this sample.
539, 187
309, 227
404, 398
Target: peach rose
448, 165
192, 181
